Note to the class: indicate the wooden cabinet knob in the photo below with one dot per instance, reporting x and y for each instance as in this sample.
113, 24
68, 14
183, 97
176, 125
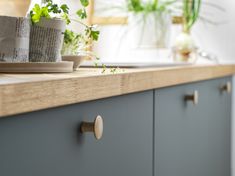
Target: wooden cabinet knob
227, 87
194, 97
95, 127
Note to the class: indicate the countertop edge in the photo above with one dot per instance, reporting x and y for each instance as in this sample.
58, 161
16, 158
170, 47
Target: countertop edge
32, 96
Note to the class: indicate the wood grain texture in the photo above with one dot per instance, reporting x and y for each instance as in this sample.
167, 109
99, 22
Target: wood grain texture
110, 20
34, 67
20, 93
124, 20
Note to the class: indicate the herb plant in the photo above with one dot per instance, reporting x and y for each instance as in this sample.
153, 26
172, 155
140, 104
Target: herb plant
191, 10
137, 6
77, 43
49, 10
73, 42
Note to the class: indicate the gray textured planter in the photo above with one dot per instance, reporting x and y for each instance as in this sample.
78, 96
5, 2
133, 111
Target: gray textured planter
46, 39
14, 39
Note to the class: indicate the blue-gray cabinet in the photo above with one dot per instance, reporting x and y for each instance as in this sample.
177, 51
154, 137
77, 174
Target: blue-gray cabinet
193, 140
49, 142
152, 133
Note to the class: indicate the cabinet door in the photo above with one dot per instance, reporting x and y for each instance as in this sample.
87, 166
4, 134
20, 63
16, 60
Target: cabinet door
193, 140
49, 142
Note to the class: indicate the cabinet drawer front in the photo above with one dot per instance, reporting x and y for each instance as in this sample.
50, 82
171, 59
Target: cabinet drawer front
193, 139
49, 142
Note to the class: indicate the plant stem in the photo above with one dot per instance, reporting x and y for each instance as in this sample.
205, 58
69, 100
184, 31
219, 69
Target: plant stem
191, 10
155, 4
80, 22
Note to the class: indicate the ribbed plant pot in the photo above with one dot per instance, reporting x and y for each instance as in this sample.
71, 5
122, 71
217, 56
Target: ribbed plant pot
46, 39
14, 39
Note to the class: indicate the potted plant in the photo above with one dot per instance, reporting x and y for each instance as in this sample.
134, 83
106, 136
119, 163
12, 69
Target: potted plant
14, 39
76, 46
185, 48
150, 22
46, 36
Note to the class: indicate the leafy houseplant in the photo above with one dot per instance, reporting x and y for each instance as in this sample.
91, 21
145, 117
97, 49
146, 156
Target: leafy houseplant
191, 10
14, 39
185, 48
46, 36
76, 45
151, 22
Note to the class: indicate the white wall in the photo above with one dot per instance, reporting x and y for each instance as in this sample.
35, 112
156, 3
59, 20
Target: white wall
216, 39
219, 39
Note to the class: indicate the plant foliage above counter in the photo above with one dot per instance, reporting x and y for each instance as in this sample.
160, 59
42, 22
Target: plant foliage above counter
49, 10
73, 42
79, 43
137, 6
191, 11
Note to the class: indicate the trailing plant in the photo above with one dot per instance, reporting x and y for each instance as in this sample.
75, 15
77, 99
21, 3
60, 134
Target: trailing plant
79, 43
191, 11
72, 42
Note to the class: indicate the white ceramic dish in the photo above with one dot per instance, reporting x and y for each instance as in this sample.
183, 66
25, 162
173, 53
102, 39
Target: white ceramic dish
77, 60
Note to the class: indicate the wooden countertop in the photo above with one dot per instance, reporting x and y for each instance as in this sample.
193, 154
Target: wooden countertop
20, 93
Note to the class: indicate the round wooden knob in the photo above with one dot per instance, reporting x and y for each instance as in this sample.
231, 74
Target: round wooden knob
194, 97
95, 127
227, 87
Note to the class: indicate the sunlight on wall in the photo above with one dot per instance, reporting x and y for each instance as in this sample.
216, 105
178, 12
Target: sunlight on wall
14, 7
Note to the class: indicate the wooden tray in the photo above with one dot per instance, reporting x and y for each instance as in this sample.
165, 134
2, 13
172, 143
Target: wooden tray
36, 67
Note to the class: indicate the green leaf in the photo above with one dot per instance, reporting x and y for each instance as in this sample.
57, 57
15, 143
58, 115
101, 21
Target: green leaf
66, 18
165, 4
140, 6
84, 3
155, 4
71, 43
191, 10
68, 36
65, 8
48, 9
82, 13
37, 8
135, 5
38, 12
95, 35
